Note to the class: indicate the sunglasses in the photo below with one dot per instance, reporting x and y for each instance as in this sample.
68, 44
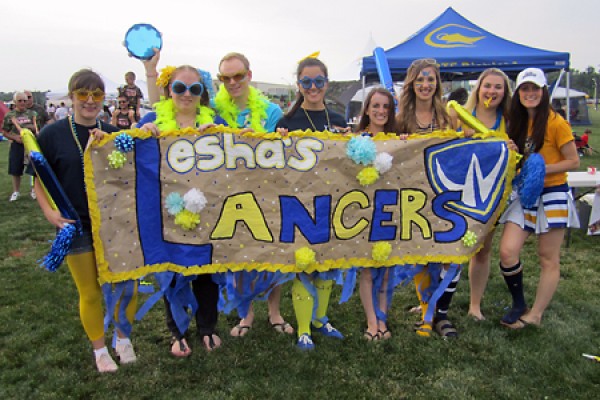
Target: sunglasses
84, 94
307, 82
196, 88
239, 77
424, 61
123, 102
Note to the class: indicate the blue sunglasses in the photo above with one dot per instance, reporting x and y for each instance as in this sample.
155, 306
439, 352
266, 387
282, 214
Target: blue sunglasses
307, 82
196, 88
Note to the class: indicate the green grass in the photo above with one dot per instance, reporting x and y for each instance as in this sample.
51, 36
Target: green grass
44, 353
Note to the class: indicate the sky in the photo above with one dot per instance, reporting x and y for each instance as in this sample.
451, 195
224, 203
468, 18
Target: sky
45, 42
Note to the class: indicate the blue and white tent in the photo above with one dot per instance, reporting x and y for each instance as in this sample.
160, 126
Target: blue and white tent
463, 50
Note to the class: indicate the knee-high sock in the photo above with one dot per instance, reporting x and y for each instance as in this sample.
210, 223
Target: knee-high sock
443, 303
513, 276
84, 272
303, 306
323, 295
422, 282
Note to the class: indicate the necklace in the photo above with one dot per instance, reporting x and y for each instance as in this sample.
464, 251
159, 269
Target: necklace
313, 124
423, 127
78, 143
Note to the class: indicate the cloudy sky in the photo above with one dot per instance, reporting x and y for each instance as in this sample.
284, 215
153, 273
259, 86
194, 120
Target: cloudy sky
44, 42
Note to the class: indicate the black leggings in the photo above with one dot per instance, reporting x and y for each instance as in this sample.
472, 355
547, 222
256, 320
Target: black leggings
206, 293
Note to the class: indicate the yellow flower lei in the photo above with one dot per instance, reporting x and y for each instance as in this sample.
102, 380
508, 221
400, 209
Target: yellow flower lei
165, 115
165, 76
257, 103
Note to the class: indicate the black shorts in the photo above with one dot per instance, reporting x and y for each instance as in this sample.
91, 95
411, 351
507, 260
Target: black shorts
16, 159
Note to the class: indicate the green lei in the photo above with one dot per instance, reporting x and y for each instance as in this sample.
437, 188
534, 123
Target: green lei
257, 103
165, 115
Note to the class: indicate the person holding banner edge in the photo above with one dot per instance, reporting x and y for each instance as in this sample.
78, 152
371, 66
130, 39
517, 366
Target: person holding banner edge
421, 111
489, 102
62, 144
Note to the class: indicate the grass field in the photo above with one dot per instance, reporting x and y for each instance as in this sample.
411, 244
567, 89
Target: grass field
44, 353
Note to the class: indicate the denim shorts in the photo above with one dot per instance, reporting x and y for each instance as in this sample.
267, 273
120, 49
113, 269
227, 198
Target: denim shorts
82, 244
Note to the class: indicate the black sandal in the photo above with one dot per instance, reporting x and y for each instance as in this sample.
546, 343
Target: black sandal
445, 329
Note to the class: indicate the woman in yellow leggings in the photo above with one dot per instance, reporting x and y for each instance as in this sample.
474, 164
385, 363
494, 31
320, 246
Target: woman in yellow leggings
62, 144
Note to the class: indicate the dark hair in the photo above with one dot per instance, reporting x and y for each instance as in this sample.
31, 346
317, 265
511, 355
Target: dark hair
460, 95
390, 125
85, 79
519, 121
307, 62
204, 100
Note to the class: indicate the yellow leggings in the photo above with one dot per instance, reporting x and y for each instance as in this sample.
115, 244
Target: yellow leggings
84, 273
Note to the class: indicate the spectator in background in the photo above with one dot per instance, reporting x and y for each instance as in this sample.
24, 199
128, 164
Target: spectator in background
123, 117
51, 110
459, 95
14, 121
40, 110
61, 112
132, 93
105, 115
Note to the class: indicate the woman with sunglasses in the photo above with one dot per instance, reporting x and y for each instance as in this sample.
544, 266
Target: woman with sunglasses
184, 105
422, 111
489, 102
377, 115
62, 144
310, 113
240, 105
123, 117
536, 128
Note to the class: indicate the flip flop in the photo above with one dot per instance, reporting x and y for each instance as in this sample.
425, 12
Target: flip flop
520, 324
184, 350
385, 334
370, 337
282, 327
240, 330
212, 344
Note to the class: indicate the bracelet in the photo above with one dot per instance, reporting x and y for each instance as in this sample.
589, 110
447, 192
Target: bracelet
152, 76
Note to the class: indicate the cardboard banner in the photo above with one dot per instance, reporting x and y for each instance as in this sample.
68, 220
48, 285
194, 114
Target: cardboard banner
203, 203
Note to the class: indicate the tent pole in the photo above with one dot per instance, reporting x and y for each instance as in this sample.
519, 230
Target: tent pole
557, 84
568, 96
364, 83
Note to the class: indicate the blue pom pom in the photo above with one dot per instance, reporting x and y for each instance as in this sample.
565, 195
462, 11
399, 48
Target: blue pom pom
124, 143
208, 83
530, 181
60, 247
174, 203
361, 150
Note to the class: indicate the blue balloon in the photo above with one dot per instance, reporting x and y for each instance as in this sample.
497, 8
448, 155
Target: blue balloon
140, 39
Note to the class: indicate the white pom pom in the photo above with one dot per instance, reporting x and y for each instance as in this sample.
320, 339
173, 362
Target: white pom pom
194, 200
383, 162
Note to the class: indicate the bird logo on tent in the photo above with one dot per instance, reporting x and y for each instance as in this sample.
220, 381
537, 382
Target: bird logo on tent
453, 35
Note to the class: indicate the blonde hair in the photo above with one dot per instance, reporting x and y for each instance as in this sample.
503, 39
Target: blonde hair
473, 99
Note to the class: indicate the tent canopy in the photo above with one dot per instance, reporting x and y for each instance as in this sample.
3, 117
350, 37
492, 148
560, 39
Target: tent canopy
463, 50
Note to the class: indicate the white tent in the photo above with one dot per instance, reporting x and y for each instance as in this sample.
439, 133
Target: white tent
573, 102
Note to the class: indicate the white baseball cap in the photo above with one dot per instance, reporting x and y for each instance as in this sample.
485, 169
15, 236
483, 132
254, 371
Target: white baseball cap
533, 75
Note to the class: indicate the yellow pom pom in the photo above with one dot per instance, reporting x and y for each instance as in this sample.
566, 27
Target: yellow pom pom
470, 239
381, 251
116, 159
165, 76
368, 176
187, 220
304, 257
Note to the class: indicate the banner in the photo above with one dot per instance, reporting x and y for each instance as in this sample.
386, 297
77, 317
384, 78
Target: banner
202, 203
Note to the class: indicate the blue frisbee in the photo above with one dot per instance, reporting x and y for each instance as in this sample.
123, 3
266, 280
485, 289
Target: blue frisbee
140, 39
